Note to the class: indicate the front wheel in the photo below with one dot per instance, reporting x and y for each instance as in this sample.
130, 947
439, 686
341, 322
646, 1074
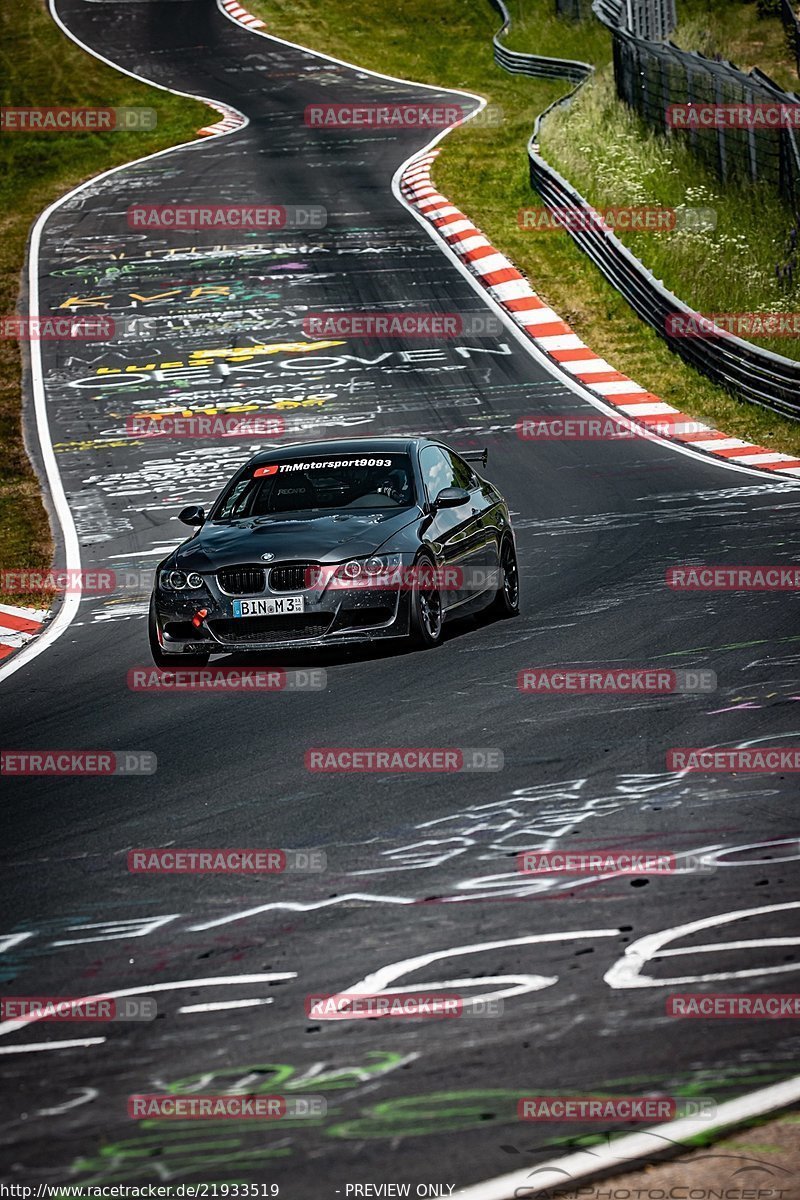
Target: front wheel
506, 602
168, 660
427, 613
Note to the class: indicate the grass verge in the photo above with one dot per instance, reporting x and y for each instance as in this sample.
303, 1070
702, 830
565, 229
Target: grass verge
41, 67
484, 171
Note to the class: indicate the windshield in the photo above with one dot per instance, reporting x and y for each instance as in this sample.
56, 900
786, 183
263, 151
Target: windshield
313, 484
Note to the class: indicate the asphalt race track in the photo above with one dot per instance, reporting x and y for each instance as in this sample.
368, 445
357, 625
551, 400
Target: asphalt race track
421, 868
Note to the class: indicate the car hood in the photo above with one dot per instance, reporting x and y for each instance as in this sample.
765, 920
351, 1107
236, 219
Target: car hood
331, 537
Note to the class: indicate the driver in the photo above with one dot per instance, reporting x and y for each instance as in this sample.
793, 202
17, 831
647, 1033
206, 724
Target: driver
396, 487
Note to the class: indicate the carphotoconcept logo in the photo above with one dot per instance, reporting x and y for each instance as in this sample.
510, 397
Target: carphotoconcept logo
362, 1006
176, 861
621, 681
346, 759
225, 679
77, 120
402, 325
77, 762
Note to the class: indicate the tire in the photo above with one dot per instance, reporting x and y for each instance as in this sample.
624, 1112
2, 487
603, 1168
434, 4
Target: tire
169, 660
506, 601
427, 616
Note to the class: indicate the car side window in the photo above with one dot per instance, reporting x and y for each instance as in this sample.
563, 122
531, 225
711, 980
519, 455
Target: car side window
463, 474
437, 471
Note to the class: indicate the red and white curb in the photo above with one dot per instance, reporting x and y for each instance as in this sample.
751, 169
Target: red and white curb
241, 14
511, 290
18, 626
231, 119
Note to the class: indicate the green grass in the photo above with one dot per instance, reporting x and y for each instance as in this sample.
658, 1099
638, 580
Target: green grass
728, 269
41, 67
485, 172
734, 30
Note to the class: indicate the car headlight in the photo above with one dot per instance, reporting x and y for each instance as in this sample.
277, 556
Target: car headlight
363, 569
178, 581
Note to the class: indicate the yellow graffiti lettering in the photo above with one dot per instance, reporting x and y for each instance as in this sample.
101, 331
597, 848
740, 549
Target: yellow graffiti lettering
86, 302
208, 289
230, 355
156, 296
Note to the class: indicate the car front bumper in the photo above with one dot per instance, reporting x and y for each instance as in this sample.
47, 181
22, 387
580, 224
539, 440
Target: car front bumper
335, 617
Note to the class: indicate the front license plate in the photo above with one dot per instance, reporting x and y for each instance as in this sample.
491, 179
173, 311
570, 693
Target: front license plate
284, 607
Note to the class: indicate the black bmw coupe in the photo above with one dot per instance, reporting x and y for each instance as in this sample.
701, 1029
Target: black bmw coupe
336, 542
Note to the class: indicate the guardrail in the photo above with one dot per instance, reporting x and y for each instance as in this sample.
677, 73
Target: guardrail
754, 374
517, 63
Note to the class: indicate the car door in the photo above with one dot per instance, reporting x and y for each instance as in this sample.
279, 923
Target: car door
455, 534
486, 511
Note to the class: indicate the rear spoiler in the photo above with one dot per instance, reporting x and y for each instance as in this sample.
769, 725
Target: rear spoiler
481, 456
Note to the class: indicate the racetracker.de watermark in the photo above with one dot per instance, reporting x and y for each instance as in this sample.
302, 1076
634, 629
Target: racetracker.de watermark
605, 862
742, 325
221, 426
352, 576
762, 115
226, 679
619, 681
757, 1006
175, 861
57, 580
224, 1107
725, 578
573, 216
579, 428
205, 215
77, 1008
363, 1006
52, 328
400, 115
356, 759
614, 1108
77, 120
753, 760
402, 324
78, 762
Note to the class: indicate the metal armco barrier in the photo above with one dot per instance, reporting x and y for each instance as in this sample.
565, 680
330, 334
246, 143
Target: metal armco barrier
517, 63
754, 374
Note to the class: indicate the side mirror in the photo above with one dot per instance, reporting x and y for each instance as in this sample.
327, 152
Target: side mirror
451, 497
193, 515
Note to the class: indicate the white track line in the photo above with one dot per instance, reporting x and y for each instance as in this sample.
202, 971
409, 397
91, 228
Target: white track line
757, 1103
69, 609
632, 1148
423, 155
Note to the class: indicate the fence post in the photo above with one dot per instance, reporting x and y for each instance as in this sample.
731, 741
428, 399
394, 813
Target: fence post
751, 141
723, 160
